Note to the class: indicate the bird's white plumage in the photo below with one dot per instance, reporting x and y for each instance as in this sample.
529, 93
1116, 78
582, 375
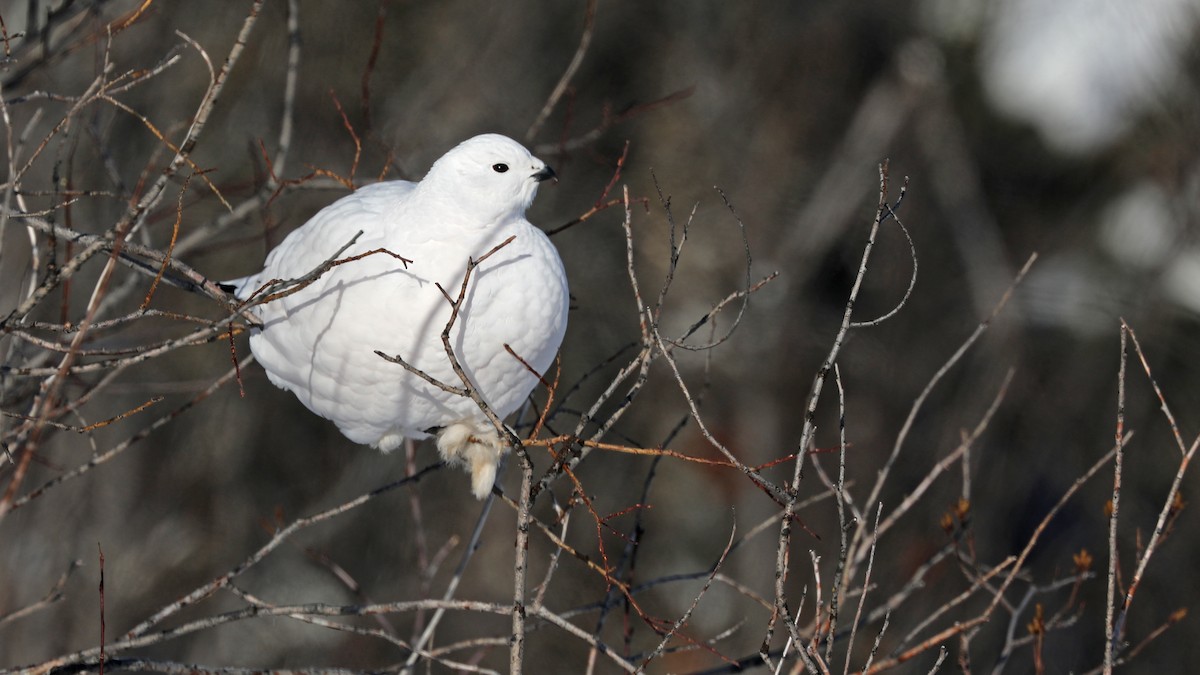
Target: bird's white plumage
320, 341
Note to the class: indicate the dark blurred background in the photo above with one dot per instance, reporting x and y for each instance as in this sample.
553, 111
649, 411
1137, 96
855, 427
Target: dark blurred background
1062, 128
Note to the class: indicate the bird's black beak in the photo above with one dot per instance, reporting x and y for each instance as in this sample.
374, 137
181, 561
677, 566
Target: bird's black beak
545, 174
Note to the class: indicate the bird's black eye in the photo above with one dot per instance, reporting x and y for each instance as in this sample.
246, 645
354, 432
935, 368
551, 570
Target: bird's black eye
500, 168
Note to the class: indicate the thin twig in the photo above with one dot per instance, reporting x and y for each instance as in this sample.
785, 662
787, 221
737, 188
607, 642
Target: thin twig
1160, 526
585, 40
1110, 636
683, 619
808, 430
55, 594
862, 600
884, 472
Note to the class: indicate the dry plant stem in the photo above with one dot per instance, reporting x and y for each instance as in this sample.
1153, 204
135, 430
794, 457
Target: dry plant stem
588, 215
170, 245
912, 252
1175, 617
978, 584
521, 563
83, 100
585, 40
629, 555
467, 644
916, 493
134, 256
809, 428
627, 566
452, 586
1155, 537
787, 645
743, 294
54, 595
637, 369
1011, 642
11, 152
347, 580
93, 426
744, 589
420, 540
594, 641
369, 71
64, 274
609, 121
1017, 565
652, 337
633, 450
129, 641
106, 97
818, 621
937, 665
133, 217
101, 458
587, 561
204, 110
539, 596
279, 537
884, 472
839, 582
1160, 525
751, 473
1162, 400
602, 203
615, 583
469, 389
692, 608
141, 636
272, 186
1032, 638
1110, 636
291, 80
862, 599
878, 639
96, 389
964, 650
882, 114
678, 238
278, 288
48, 395
214, 331
524, 517
250, 599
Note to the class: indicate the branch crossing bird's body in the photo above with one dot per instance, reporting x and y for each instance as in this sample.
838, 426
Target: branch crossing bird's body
320, 341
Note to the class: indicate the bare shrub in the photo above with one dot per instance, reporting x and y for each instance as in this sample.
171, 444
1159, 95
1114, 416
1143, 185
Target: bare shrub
163, 508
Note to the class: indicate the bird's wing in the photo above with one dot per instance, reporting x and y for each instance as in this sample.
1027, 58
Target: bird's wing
332, 228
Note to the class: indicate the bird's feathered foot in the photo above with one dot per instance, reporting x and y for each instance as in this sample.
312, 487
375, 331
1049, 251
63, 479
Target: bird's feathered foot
474, 445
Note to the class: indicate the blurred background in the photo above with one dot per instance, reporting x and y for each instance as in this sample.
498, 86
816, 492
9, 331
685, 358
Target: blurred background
1069, 129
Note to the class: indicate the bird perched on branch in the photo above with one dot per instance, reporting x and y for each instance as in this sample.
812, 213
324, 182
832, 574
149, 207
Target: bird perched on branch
355, 330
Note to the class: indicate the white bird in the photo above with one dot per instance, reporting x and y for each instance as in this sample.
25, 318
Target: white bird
320, 342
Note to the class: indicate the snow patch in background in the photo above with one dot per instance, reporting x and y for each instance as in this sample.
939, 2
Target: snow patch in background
1081, 71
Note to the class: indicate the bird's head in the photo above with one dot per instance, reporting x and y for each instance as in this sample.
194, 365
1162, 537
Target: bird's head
490, 177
